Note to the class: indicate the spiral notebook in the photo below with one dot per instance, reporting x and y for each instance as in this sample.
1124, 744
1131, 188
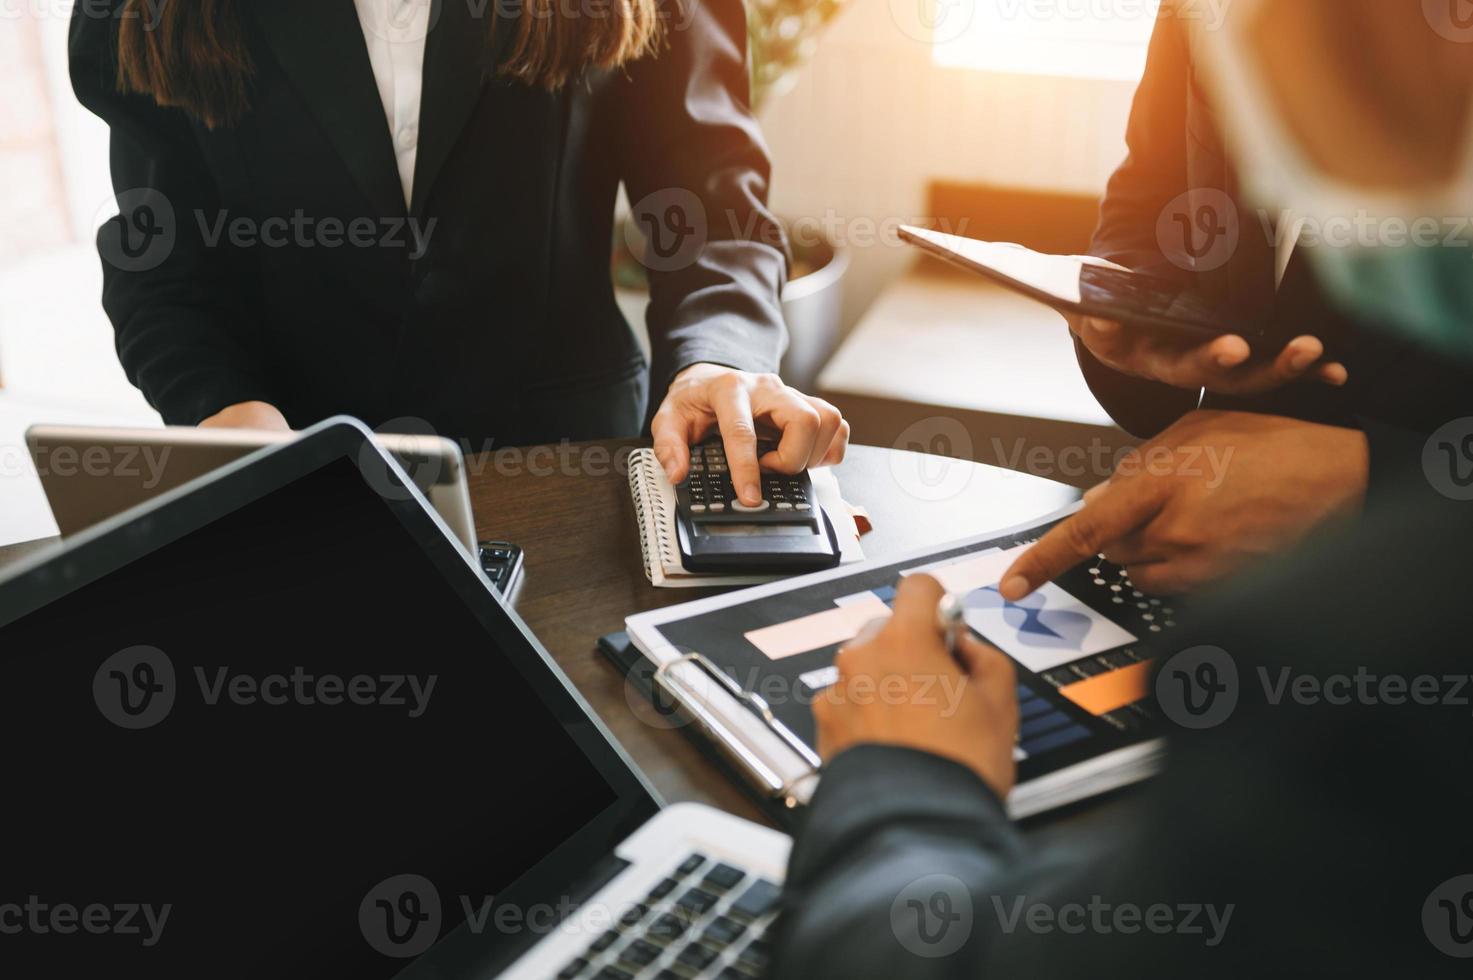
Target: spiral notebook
654, 509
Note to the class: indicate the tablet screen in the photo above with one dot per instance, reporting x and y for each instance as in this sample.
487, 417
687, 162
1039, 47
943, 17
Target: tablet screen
1082, 283
1134, 294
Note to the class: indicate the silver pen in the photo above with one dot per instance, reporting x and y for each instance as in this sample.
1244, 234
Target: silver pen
951, 618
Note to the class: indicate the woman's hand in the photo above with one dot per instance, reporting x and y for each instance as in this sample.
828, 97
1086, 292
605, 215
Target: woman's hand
707, 396
247, 415
898, 685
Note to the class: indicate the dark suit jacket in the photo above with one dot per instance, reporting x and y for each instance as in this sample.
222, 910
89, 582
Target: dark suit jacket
1327, 827
1397, 393
502, 322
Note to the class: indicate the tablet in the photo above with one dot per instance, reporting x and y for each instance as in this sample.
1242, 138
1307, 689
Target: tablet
1083, 646
1090, 286
91, 473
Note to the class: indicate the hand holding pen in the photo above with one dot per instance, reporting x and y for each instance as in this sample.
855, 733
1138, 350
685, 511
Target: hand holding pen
922, 682
951, 614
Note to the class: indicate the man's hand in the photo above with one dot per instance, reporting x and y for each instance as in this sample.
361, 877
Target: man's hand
1220, 364
898, 685
706, 396
1208, 495
247, 415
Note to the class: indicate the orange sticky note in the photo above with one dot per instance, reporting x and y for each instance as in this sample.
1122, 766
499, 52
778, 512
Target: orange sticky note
818, 630
1104, 693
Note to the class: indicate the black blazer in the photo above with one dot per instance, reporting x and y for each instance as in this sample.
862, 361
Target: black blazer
1337, 832
499, 321
1397, 393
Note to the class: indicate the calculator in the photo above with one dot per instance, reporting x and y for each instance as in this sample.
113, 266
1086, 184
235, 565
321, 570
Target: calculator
787, 533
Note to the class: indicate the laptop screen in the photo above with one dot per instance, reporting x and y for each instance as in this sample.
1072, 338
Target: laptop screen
231, 755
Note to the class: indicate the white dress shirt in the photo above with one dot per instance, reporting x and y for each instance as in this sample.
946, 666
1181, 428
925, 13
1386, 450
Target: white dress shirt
395, 31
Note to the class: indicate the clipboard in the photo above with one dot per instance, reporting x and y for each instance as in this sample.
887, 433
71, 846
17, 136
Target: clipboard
1089, 725
663, 691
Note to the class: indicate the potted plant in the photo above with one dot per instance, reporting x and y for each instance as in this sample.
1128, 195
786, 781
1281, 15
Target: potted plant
781, 37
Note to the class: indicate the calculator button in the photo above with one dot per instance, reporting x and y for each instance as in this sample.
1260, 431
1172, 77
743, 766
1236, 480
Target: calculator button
802, 507
784, 505
718, 507
759, 508
697, 508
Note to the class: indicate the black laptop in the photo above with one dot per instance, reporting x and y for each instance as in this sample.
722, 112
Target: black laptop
275, 723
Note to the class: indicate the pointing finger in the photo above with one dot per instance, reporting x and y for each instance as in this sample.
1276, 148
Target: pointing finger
1124, 506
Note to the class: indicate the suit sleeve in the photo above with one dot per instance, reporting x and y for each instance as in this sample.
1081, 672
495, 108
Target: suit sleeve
1252, 842
697, 173
168, 292
890, 874
1153, 173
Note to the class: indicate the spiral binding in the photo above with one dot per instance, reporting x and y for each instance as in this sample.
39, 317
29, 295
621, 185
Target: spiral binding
651, 509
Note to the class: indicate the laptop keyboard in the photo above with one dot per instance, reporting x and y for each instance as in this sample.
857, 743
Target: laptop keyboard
707, 919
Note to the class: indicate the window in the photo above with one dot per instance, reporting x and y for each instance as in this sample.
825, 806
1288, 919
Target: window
1103, 39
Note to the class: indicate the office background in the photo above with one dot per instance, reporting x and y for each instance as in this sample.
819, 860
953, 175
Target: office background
897, 96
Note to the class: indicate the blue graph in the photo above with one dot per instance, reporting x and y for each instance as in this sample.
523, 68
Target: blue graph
1032, 620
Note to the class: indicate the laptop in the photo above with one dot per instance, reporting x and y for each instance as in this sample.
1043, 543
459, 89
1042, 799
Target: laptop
89, 473
274, 723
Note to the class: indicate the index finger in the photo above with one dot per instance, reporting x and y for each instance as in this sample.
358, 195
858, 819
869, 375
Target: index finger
1104, 338
733, 408
916, 599
1121, 507
915, 619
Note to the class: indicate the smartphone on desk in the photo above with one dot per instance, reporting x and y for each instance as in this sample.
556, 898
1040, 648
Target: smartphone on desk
786, 534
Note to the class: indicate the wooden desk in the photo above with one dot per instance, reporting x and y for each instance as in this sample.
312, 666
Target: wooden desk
570, 510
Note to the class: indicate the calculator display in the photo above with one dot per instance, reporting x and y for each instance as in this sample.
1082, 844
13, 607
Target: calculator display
761, 530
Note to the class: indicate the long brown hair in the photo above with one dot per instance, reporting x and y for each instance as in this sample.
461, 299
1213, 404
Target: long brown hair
194, 57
